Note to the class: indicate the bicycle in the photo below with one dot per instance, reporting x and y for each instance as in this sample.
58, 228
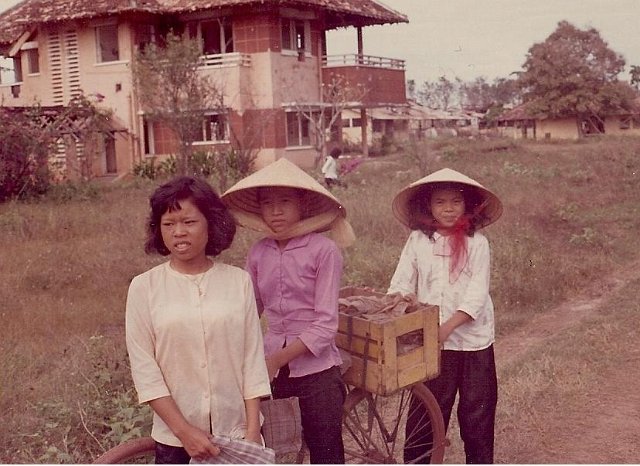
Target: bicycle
373, 429
381, 384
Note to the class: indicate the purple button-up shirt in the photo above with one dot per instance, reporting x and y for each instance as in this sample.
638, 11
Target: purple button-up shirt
297, 288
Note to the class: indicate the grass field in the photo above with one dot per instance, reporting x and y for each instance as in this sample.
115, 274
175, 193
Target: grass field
571, 216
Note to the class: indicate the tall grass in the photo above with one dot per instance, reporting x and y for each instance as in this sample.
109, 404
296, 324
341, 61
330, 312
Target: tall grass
570, 216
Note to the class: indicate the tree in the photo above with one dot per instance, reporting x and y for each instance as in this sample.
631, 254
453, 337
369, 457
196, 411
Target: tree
438, 94
411, 89
635, 76
338, 94
573, 73
480, 95
83, 124
173, 91
28, 137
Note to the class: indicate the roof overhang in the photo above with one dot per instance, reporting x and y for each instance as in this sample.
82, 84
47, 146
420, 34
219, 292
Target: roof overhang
31, 13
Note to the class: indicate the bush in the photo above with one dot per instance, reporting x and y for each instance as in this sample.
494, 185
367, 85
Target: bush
24, 144
231, 165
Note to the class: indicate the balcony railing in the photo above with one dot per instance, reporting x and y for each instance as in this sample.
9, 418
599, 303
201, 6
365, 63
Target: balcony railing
354, 59
225, 60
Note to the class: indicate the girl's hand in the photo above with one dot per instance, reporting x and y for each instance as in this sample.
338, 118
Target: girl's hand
198, 444
253, 437
456, 320
273, 366
443, 333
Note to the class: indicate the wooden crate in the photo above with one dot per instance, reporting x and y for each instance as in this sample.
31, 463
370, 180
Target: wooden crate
376, 364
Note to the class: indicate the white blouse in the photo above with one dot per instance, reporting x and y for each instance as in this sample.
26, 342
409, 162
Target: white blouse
330, 168
198, 339
426, 274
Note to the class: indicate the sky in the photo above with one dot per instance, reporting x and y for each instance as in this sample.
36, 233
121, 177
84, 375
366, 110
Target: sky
489, 38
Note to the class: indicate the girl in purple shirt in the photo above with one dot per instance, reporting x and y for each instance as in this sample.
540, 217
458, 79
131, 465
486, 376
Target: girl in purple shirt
296, 274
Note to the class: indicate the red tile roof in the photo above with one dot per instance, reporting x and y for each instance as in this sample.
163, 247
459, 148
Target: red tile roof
28, 13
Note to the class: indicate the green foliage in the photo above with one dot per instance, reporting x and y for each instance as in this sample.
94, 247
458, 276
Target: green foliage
570, 218
27, 138
227, 166
421, 155
231, 165
573, 73
150, 169
203, 163
169, 166
439, 94
24, 150
68, 190
634, 72
104, 406
478, 95
147, 169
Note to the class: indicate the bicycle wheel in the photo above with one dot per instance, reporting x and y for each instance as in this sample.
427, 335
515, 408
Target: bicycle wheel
128, 451
375, 427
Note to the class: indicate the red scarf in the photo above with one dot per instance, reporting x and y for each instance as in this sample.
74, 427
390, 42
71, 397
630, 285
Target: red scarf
453, 244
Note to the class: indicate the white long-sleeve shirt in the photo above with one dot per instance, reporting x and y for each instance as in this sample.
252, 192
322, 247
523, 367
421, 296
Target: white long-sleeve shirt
426, 274
201, 343
330, 168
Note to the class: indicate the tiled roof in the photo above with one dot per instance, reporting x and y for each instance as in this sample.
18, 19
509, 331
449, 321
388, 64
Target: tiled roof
516, 113
14, 21
520, 112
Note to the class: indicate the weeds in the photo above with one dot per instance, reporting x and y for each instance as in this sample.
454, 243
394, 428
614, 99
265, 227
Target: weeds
65, 391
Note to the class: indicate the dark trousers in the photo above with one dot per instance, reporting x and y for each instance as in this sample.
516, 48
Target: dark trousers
472, 374
167, 454
321, 397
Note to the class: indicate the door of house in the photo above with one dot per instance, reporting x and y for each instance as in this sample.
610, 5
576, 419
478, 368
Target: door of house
110, 154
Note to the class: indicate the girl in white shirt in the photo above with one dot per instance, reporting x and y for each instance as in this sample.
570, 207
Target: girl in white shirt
192, 328
446, 262
330, 168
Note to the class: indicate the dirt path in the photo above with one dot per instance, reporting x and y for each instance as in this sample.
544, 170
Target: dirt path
606, 428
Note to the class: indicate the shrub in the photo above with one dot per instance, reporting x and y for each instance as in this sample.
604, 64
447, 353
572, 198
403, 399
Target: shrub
24, 147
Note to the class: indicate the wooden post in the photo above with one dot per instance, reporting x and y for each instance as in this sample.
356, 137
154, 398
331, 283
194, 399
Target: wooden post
363, 132
360, 47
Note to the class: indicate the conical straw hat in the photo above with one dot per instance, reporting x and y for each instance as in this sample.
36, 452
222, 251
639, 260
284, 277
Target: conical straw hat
323, 211
490, 206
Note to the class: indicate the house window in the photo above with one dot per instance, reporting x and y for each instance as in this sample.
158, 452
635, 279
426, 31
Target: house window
145, 35
295, 34
107, 43
216, 35
356, 122
147, 131
17, 68
297, 130
345, 123
33, 61
214, 129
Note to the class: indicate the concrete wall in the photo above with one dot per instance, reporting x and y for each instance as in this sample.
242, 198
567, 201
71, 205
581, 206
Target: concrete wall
625, 125
561, 128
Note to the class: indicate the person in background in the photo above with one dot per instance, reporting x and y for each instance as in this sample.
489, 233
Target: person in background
330, 168
446, 262
296, 273
192, 330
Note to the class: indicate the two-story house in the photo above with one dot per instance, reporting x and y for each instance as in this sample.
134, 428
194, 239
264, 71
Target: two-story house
267, 54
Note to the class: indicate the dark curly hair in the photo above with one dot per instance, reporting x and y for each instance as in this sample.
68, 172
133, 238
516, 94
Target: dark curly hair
419, 206
220, 223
